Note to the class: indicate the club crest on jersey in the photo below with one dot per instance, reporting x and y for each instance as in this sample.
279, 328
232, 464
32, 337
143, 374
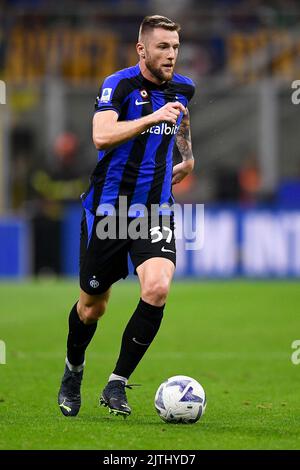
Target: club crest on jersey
144, 94
106, 94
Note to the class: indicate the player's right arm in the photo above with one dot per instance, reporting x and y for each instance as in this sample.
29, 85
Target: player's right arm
113, 95
109, 132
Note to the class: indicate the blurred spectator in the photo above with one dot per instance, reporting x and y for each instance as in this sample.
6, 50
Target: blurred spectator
249, 180
227, 184
63, 181
22, 145
53, 188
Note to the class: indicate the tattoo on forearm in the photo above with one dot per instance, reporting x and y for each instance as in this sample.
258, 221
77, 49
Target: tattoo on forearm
183, 138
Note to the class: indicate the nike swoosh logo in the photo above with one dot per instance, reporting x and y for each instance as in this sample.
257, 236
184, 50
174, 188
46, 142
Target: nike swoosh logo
141, 344
62, 405
138, 103
165, 250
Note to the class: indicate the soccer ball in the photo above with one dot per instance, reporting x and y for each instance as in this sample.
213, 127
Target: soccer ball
180, 399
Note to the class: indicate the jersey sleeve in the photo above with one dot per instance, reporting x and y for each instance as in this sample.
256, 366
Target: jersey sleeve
184, 86
191, 92
112, 94
190, 88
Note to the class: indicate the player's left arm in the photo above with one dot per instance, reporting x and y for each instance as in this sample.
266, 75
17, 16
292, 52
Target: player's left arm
184, 144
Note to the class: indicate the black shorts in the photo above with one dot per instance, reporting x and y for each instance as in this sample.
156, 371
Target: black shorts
105, 261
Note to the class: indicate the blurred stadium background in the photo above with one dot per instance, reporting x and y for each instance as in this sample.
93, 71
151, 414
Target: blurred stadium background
244, 57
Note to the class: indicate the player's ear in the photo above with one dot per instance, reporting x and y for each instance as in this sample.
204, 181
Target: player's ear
140, 48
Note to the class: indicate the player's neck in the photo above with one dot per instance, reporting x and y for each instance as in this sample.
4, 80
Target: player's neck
148, 75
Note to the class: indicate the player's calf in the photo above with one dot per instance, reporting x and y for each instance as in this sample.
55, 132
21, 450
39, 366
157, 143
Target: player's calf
90, 313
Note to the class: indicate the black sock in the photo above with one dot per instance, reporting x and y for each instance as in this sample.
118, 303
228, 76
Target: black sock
137, 337
79, 337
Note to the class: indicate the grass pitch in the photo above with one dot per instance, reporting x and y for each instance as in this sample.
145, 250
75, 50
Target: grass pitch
233, 337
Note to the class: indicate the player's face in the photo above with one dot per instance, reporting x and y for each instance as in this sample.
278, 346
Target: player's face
161, 50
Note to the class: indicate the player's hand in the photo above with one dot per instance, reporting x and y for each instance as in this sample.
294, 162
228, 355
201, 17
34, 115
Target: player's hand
181, 170
168, 113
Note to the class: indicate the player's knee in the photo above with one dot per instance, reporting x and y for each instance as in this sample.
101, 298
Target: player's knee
89, 314
155, 292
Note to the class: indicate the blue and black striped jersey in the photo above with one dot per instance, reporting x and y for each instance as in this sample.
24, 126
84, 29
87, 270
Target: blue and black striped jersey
141, 168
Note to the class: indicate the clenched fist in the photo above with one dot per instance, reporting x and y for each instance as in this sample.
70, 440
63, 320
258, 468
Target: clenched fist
168, 113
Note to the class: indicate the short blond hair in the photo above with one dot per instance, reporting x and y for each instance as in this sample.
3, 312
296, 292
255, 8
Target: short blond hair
157, 21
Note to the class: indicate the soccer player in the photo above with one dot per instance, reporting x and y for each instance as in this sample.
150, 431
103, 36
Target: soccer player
139, 114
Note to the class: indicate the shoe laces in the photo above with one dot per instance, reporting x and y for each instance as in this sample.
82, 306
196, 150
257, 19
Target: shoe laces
119, 389
132, 385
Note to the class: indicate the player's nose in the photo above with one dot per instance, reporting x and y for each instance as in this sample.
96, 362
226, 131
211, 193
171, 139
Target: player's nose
171, 54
